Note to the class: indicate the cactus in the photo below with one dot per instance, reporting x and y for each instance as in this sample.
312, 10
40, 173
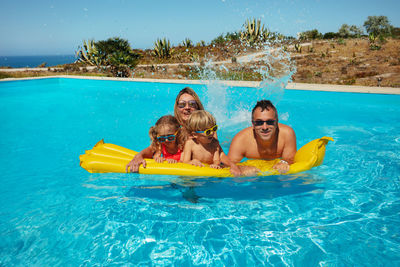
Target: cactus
187, 43
201, 43
298, 48
253, 31
162, 48
88, 53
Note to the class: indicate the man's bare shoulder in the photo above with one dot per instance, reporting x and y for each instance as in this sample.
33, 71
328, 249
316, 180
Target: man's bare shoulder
243, 134
286, 129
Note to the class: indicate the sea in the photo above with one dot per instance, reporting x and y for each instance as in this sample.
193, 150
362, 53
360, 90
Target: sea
35, 61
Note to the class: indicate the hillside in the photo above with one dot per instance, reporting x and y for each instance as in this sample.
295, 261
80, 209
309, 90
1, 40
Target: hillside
340, 61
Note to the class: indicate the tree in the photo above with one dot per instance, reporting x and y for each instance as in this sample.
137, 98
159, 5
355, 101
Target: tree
344, 31
117, 54
356, 31
347, 31
378, 25
310, 35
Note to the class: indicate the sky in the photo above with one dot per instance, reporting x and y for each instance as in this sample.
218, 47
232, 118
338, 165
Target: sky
50, 27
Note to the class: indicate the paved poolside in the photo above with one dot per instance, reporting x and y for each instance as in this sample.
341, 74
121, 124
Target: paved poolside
290, 86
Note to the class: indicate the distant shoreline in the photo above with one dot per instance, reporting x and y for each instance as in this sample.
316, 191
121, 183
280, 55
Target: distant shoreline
35, 61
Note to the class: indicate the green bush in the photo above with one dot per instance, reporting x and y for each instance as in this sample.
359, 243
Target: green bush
330, 35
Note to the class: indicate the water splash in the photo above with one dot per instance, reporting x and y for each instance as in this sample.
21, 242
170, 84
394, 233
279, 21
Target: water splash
270, 64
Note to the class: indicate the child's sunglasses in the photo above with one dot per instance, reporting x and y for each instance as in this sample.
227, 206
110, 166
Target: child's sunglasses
170, 138
261, 123
209, 131
191, 104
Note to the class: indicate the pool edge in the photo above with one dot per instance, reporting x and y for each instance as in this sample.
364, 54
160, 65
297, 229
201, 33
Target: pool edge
290, 85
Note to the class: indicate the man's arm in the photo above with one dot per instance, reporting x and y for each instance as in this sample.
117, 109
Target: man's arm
290, 147
236, 152
288, 152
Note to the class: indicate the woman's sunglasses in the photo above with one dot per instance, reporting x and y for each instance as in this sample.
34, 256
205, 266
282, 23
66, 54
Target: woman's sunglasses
209, 131
261, 123
191, 104
170, 138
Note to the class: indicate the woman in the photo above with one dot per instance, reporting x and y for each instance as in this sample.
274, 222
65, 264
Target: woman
186, 102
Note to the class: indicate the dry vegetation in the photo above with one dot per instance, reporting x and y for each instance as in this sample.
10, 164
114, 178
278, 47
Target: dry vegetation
349, 62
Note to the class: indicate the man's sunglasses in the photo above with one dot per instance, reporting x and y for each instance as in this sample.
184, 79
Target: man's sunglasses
163, 138
191, 104
209, 131
261, 123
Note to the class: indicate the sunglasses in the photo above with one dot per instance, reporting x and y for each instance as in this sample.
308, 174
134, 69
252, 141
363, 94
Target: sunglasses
191, 104
209, 131
163, 138
261, 123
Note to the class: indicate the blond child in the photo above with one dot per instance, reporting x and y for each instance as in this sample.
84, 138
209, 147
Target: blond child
203, 147
167, 144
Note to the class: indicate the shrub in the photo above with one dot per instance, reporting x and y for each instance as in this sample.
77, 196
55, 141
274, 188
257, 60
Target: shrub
219, 40
310, 35
330, 35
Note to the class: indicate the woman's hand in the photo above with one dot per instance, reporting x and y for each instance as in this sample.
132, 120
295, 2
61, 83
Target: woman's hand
134, 164
215, 166
196, 162
171, 161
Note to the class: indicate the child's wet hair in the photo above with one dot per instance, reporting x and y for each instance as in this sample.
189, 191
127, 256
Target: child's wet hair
200, 120
166, 121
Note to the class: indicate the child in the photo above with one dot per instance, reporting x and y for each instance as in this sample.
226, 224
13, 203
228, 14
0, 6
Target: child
167, 140
203, 147
167, 144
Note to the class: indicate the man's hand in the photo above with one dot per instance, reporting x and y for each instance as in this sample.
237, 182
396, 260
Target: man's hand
282, 166
235, 170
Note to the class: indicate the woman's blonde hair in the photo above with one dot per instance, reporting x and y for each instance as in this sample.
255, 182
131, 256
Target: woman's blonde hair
189, 91
200, 120
166, 121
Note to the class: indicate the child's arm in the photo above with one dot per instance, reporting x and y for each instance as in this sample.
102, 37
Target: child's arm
216, 159
187, 155
234, 169
134, 164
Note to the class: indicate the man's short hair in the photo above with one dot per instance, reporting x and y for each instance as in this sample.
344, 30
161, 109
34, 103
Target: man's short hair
264, 105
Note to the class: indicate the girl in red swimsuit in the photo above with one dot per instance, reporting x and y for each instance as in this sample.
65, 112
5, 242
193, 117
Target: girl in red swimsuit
167, 140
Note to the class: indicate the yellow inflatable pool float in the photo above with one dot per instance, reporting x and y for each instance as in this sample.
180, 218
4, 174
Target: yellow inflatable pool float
105, 157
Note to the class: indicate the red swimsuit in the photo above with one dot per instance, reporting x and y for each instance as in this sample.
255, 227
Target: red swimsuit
167, 155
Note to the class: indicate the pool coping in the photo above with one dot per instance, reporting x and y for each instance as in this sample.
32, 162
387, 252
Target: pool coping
289, 86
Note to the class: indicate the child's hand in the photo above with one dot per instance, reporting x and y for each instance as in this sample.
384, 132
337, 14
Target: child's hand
158, 159
196, 162
215, 166
171, 161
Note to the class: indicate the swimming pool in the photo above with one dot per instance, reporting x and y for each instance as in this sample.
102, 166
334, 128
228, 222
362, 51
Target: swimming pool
343, 213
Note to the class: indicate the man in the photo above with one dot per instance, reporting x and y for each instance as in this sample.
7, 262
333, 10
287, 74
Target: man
266, 139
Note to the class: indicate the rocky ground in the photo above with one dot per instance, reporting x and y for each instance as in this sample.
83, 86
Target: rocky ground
346, 62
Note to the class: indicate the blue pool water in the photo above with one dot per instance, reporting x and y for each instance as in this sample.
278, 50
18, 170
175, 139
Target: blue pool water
53, 213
